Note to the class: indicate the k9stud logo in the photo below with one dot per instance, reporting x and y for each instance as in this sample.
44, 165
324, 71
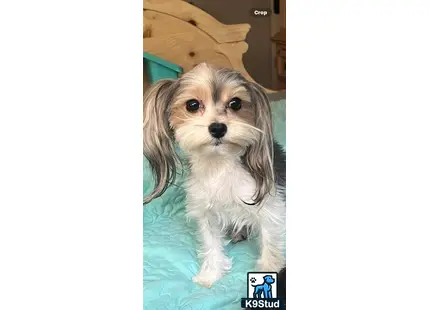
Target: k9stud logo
262, 291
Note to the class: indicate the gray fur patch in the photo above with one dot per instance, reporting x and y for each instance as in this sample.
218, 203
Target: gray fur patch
279, 163
279, 166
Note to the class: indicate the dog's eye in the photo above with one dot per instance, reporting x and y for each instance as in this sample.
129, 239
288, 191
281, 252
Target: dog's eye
193, 105
235, 104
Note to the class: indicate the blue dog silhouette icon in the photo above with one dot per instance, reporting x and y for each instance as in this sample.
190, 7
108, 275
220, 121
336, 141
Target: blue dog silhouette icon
264, 288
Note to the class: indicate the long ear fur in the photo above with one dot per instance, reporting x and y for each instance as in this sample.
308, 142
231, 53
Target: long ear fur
158, 139
258, 159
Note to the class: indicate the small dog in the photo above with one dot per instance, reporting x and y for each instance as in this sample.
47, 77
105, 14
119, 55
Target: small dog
236, 179
265, 288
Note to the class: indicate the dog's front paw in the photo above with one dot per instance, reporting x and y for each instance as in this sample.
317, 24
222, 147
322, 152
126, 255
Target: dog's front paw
209, 275
206, 279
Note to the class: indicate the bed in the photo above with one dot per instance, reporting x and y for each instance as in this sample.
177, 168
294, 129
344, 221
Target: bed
171, 30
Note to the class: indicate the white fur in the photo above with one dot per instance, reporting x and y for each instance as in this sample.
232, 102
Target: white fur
215, 190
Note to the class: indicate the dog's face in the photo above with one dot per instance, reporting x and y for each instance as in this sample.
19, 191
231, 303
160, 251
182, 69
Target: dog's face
269, 279
212, 112
209, 112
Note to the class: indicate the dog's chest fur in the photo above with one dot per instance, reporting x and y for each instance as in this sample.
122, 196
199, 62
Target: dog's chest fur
220, 186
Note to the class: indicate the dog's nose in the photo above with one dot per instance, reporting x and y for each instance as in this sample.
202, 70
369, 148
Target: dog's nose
217, 130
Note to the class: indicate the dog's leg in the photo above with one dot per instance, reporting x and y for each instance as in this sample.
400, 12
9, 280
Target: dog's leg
272, 244
214, 263
266, 291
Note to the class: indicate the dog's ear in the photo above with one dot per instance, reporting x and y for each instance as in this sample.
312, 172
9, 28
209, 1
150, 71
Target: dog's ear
258, 158
158, 137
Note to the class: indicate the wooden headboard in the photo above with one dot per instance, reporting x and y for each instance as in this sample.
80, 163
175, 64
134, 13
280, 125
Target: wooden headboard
183, 34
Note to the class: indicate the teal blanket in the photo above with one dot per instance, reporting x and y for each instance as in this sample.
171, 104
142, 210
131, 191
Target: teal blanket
169, 251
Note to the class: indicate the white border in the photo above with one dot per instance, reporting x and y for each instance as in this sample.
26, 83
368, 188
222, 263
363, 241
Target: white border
71, 155
358, 76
